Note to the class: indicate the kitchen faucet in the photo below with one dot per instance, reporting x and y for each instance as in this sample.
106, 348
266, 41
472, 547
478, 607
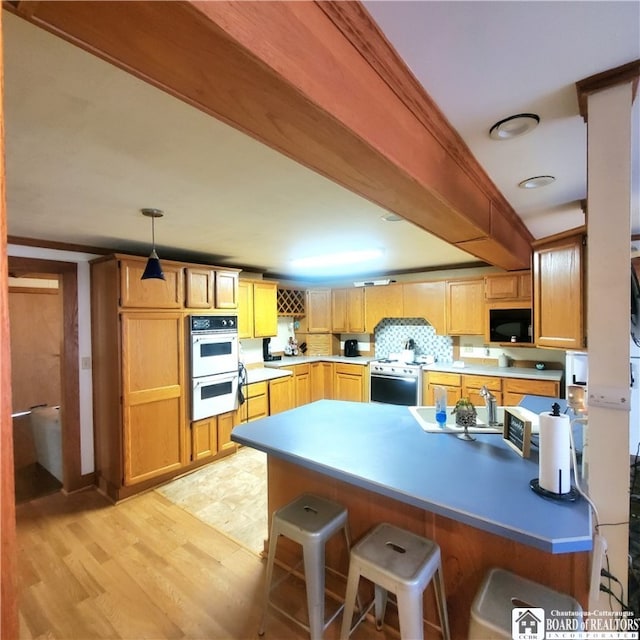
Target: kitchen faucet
491, 404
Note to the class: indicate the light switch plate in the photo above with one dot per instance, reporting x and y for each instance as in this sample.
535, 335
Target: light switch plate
609, 397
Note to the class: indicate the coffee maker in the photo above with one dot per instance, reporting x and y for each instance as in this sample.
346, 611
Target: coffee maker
267, 356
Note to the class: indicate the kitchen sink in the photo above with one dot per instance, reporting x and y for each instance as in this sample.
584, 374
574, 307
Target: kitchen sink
426, 418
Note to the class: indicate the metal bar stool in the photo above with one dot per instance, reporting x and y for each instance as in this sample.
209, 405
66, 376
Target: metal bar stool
500, 592
403, 563
310, 521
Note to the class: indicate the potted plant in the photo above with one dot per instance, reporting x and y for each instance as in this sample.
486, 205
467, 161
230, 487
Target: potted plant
465, 414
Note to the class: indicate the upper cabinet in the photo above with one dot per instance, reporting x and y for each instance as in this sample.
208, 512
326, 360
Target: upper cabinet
226, 289
426, 300
150, 294
382, 302
558, 282
508, 286
318, 310
257, 309
347, 310
208, 288
465, 307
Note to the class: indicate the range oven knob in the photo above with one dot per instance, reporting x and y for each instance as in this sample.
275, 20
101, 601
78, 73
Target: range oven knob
231, 322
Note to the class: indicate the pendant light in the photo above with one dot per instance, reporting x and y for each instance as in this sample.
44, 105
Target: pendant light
153, 268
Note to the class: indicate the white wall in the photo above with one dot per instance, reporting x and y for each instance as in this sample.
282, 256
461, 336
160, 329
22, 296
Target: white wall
87, 463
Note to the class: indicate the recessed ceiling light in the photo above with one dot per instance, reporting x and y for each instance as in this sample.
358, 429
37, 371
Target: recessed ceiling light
514, 126
392, 217
536, 181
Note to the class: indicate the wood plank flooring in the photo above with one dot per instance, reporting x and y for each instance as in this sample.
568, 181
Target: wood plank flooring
144, 568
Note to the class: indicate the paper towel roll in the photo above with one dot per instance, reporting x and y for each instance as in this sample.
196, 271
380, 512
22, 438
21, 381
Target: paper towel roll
555, 453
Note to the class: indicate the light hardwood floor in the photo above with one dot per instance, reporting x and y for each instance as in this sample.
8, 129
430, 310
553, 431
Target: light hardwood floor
144, 568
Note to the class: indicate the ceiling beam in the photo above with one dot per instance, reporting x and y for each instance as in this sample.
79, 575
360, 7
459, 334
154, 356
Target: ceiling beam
319, 83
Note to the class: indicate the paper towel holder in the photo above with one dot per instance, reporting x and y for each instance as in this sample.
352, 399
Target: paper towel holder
568, 496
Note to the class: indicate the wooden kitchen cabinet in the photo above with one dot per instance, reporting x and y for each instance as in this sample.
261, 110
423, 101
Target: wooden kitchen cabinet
256, 404
321, 381
281, 395
471, 385
318, 311
350, 382
153, 395
383, 301
558, 292
452, 382
508, 286
426, 300
199, 286
514, 389
212, 436
226, 289
347, 310
465, 307
301, 384
257, 309
151, 293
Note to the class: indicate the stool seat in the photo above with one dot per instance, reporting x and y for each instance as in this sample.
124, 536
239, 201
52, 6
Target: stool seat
310, 521
400, 562
500, 592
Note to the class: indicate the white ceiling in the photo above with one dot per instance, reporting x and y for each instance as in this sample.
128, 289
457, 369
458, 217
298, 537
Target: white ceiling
89, 145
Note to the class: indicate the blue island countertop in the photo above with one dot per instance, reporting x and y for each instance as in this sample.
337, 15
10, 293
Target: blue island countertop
382, 448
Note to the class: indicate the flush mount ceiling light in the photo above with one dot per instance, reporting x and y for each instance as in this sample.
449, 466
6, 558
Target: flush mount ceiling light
392, 217
153, 270
536, 182
335, 259
514, 126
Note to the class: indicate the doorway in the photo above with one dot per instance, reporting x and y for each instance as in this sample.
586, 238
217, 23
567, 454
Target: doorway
35, 321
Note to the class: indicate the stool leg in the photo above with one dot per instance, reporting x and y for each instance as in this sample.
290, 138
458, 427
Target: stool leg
314, 579
410, 614
351, 594
441, 601
380, 605
273, 543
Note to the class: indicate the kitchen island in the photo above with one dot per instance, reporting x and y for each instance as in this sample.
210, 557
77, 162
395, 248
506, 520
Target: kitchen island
473, 498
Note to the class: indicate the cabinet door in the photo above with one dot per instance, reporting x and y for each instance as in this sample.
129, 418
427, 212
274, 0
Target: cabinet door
382, 302
465, 307
501, 287
452, 382
153, 293
153, 397
204, 438
319, 310
281, 395
226, 288
558, 294
339, 322
302, 384
426, 300
321, 381
226, 422
265, 309
245, 309
199, 287
349, 383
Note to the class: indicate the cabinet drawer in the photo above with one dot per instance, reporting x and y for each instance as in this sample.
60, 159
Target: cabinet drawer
257, 389
449, 379
476, 382
350, 369
302, 369
531, 387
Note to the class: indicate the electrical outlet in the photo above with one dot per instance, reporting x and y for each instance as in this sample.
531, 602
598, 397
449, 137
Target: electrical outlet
467, 348
85, 362
598, 554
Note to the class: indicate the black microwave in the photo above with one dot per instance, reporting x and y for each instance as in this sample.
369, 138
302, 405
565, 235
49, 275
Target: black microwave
510, 325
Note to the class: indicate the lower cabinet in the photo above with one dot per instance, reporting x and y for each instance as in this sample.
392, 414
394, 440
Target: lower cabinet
301, 384
256, 403
452, 382
471, 386
350, 382
514, 389
211, 436
281, 396
321, 381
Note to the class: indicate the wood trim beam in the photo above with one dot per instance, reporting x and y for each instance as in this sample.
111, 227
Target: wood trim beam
284, 73
629, 72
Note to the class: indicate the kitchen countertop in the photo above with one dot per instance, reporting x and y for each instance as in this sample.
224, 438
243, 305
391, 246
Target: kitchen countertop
262, 374
554, 375
381, 448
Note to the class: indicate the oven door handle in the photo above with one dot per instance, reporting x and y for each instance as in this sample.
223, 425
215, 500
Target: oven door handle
207, 380
394, 377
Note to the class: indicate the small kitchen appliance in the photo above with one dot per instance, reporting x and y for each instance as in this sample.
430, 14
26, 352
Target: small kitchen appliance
351, 348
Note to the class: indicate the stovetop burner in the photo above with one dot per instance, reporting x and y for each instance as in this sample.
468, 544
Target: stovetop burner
398, 362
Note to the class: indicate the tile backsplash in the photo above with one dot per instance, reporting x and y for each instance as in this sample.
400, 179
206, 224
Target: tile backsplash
391, 335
